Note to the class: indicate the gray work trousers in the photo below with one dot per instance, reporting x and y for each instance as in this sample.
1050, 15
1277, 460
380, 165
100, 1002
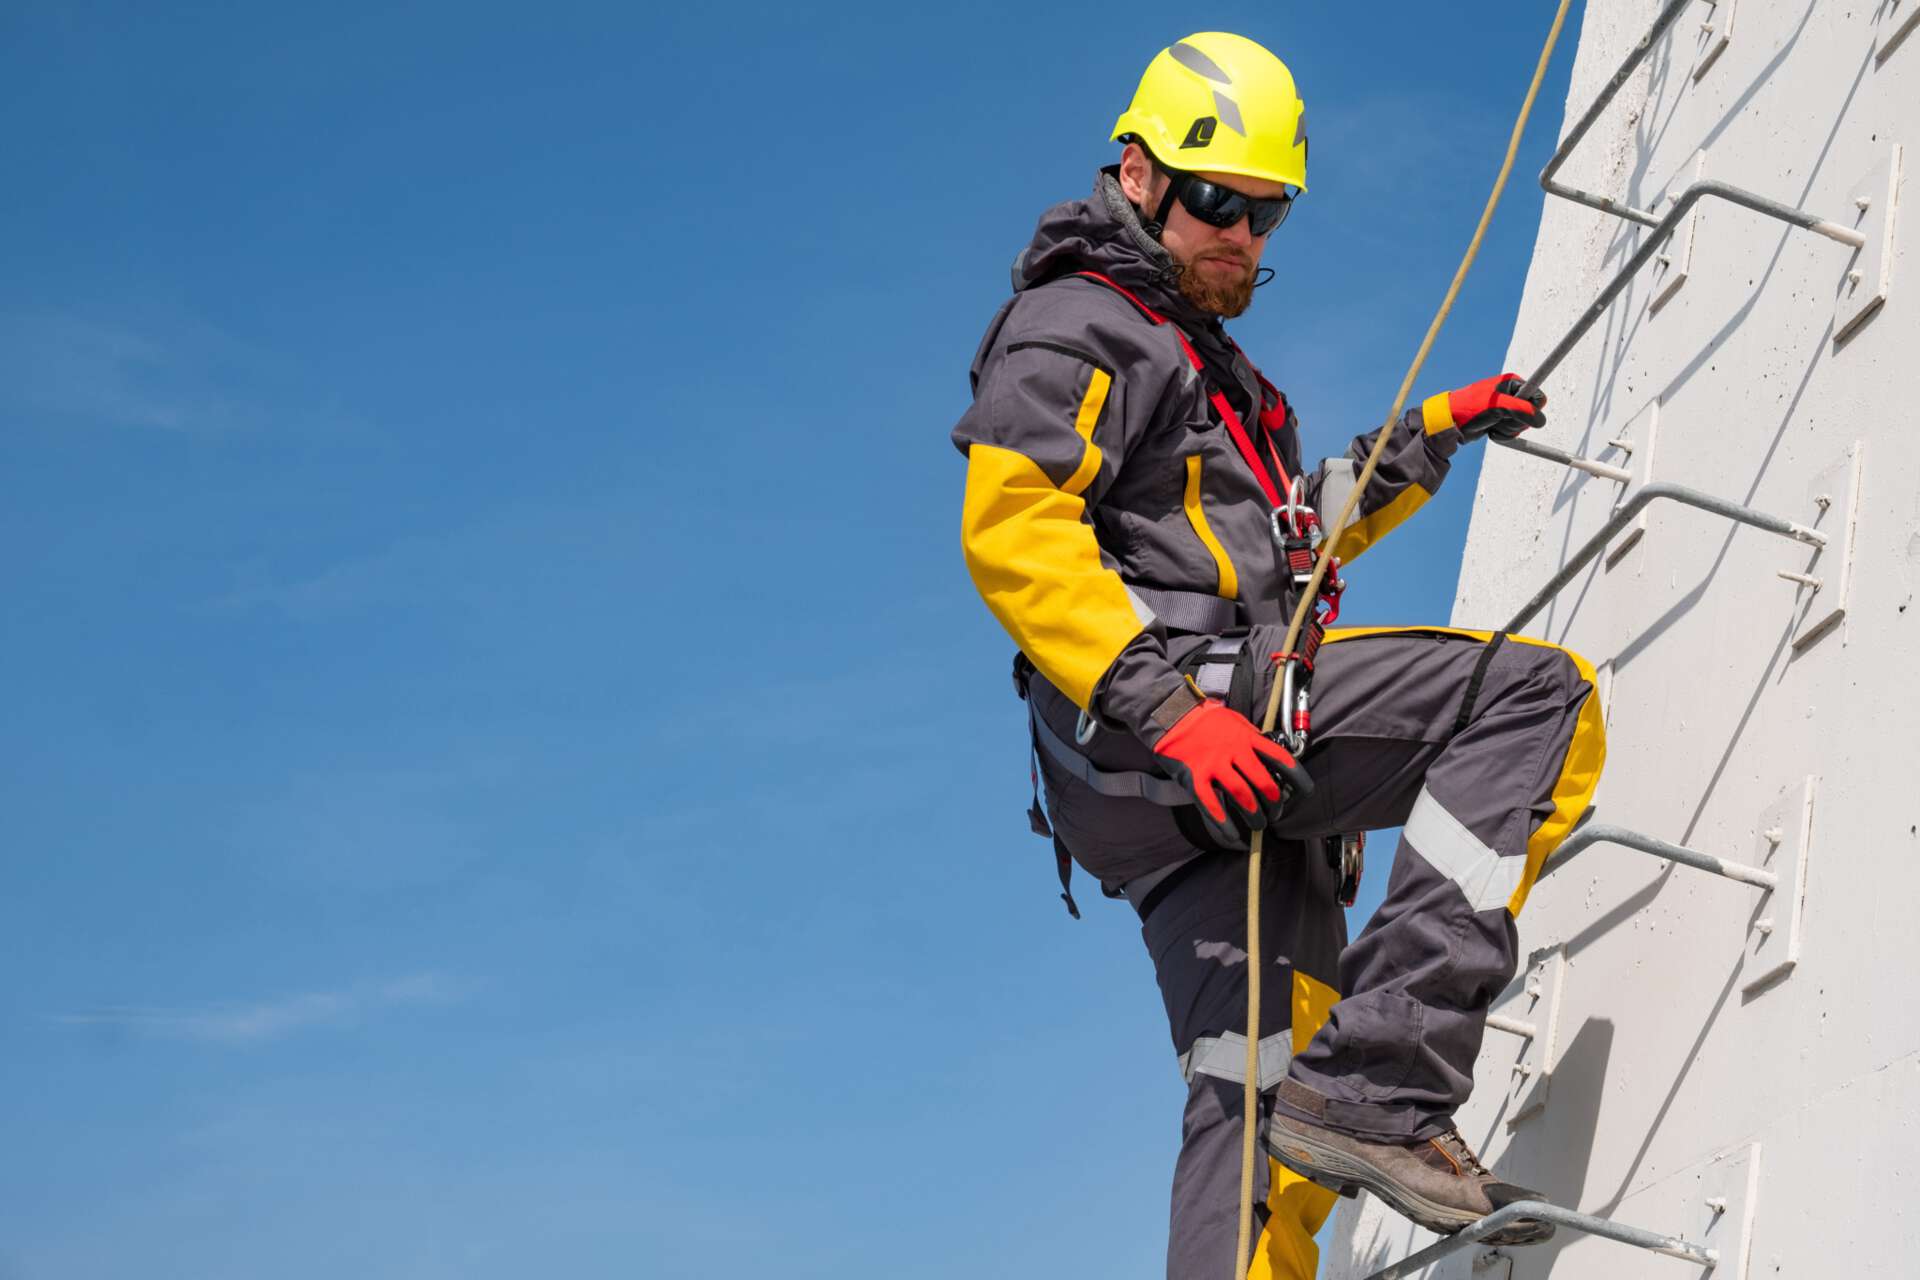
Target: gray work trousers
1483, 787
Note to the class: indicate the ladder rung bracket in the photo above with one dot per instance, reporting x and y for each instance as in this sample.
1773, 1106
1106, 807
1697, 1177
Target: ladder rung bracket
1652, 1241
1782, 839
1714, 35
1635, 442
1673, 264
1868, 279
1532, 1016
1823, 583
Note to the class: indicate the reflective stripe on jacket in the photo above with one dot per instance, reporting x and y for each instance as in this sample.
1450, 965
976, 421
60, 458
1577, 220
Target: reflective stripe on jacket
1095, 461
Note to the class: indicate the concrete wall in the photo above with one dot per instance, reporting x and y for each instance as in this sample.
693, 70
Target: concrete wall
1686, 1063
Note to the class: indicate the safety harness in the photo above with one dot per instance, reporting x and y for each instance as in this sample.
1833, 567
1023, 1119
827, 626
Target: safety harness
1294, 526
1222, 668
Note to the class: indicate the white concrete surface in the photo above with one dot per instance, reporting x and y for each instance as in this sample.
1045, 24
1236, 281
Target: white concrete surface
1676, 1077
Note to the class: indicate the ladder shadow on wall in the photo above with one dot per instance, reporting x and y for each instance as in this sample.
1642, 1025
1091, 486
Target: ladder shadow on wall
1563, 1149
1633, 315
1666, 64
1563, 612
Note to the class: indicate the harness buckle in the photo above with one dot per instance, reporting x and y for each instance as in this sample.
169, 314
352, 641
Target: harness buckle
1296, 532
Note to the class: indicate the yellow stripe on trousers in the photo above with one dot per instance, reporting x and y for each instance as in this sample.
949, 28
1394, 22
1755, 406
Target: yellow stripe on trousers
1296, 1208
1579, 771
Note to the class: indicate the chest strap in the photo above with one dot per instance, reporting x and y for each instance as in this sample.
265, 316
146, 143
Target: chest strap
1275, 489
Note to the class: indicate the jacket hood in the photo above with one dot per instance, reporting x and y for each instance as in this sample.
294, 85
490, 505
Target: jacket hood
1103, 233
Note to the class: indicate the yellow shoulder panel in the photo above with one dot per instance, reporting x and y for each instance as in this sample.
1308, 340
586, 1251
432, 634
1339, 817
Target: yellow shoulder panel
1036, 563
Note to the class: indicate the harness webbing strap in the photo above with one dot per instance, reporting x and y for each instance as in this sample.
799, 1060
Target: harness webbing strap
1229, 416
1063, 865
1195, 612
1132, 784
1477, 679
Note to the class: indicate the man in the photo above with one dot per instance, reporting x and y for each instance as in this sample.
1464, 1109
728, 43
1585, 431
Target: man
1125, 464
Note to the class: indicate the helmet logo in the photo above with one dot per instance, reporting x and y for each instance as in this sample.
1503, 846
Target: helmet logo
1201, 133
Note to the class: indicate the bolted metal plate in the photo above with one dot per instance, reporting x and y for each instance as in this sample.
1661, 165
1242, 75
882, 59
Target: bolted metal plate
1833, 495
1710, 1202
1715, 32
1723, 1210
1632, 447
1894, 21
1780, 846
1672, 264
1868, 276
1493, 1263
1536, 1000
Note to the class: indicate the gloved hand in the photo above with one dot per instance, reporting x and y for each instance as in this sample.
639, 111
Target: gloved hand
1503, 406
1213, 751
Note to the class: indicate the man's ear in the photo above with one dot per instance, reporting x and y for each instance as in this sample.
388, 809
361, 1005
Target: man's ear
1136, 175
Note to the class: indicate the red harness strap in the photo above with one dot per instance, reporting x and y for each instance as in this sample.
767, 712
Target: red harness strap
1276, 493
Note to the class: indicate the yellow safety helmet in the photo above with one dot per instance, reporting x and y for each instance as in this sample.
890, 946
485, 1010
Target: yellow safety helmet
1220, 102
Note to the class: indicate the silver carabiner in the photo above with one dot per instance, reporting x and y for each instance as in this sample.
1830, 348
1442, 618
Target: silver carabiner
1083, 729
1293, 702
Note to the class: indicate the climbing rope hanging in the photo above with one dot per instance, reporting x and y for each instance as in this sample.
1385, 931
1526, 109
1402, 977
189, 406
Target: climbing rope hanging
1309, 597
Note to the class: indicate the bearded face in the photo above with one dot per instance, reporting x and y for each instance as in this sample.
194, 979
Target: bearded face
1218, 280
1217, 264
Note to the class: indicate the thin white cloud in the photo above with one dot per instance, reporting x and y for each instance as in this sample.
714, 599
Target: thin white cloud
239, 1024
169, 372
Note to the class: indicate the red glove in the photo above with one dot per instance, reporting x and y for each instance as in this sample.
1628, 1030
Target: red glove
1215, 748
1503, 406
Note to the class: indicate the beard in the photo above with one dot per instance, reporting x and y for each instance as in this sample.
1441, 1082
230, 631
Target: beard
1214, 292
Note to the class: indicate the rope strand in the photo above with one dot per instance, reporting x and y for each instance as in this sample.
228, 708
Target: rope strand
1308, 597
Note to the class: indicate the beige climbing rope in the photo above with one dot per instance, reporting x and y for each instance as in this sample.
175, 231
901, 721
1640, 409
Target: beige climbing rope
1308, 597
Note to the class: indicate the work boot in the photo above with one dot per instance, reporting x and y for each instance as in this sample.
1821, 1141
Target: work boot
1438, 1182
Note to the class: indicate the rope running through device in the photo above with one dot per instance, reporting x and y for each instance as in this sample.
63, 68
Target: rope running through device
1309, 598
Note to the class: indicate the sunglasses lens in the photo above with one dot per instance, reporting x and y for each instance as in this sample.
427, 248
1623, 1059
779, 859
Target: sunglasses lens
1214, 205
1219, 206
1265, 215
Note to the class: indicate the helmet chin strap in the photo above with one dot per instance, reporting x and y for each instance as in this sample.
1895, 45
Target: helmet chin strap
1158, 223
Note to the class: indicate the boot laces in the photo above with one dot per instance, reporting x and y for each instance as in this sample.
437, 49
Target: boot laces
1458, 1148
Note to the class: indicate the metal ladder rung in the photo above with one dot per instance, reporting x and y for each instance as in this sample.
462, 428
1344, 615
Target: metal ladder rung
1681, 204
1623, 516
1603, 833
1639, 1238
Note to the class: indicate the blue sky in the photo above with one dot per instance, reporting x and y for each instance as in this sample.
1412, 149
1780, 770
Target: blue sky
507, 773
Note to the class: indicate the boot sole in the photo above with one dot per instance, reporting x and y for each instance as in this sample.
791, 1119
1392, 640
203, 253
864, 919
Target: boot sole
1340, 1172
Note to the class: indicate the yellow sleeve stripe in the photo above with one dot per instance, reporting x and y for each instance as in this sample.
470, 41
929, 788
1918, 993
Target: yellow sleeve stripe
1084, 422
1036, 563
1367, 530
1197, 517
1437, 412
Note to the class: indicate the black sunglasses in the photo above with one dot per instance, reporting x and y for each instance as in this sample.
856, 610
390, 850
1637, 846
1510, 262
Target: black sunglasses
1219, 206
